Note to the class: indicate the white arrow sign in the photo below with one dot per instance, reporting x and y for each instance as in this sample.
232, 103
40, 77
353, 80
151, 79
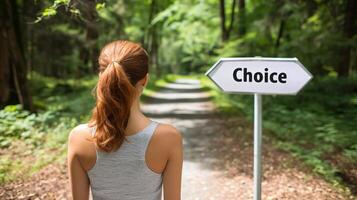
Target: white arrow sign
259, 75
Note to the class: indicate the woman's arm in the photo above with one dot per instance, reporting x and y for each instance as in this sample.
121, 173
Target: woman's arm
77, 175
173, 169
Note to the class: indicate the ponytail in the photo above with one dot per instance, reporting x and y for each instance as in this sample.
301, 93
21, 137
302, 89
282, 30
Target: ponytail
122, 64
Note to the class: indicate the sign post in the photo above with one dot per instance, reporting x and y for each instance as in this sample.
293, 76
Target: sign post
259, 75
257, 145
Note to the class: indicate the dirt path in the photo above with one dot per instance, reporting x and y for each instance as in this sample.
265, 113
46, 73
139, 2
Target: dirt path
217, 160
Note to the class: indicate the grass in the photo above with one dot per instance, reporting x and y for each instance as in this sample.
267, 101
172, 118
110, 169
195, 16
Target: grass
318, 126
38, 139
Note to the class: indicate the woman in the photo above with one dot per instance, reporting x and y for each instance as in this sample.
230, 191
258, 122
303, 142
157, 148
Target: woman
120, 153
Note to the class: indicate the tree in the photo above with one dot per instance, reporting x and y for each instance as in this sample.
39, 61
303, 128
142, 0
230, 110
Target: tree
89, 16
349, 23
13, 72
226, 31
280, 33
151, 42
241, 18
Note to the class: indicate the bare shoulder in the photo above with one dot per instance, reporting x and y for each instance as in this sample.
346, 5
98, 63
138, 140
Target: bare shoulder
79, 132
168, 134
81, 146
79, 135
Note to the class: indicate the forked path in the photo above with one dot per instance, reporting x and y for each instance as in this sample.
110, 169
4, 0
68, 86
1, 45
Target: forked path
218, 151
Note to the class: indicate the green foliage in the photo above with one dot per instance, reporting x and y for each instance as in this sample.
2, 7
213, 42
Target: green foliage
7, 165
315, 126
64, 96
311, 157
20, 124
351, 152
52, 10
312, 32
42, 136
63, 104
181, 21
184, 37
100, 6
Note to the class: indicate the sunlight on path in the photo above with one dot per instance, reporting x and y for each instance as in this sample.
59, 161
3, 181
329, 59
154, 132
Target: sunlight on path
187, 107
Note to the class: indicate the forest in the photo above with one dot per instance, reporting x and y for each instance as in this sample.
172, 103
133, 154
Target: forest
49, 67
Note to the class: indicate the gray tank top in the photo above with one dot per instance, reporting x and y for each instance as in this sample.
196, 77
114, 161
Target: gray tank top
123, 174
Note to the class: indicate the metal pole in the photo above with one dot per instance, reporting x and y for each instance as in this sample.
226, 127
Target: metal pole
257, 145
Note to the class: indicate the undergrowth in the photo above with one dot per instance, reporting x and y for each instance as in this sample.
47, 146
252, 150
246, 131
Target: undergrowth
318, 126
41, 137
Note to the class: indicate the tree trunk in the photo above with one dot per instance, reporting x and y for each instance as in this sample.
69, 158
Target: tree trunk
28, 10
13, 71
230, 28
92, 36
89, 52
344, 68
280, 34
4, 62
241, 18
222, 13
152, 43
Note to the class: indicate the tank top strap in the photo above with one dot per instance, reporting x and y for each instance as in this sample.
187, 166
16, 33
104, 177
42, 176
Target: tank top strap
150, 131
93, 129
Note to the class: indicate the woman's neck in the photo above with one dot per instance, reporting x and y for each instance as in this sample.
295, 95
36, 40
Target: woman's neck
136, 116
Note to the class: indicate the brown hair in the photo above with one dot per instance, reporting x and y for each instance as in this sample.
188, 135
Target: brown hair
121, 65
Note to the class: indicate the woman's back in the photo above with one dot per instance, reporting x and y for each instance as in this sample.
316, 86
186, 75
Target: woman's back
124, 174
124, 153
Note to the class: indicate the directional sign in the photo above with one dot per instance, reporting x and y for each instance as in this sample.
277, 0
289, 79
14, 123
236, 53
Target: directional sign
259, 75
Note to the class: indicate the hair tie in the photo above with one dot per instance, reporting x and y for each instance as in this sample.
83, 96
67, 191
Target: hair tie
117, 62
